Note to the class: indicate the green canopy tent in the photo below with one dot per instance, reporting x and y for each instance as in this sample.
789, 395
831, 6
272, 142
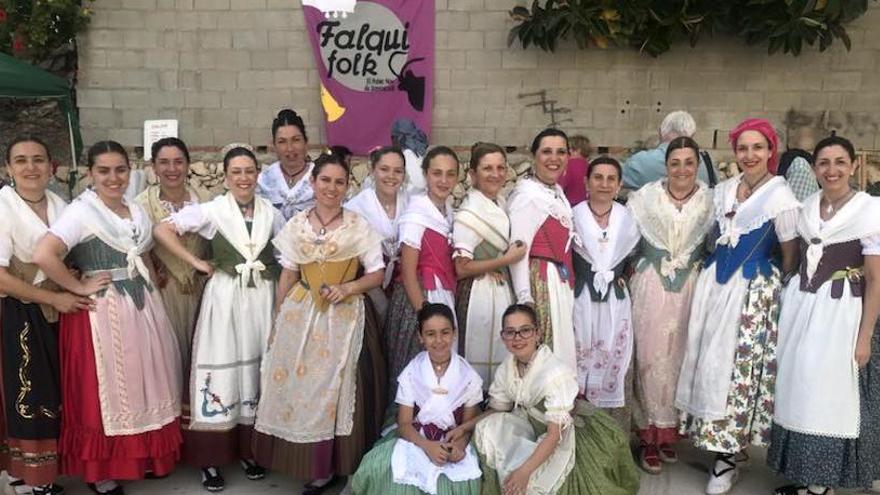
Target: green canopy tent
21, 80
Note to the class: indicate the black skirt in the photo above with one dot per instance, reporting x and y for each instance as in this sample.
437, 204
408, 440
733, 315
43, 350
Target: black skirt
31, 378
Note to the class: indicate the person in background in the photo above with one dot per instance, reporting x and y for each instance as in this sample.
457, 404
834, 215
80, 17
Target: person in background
120, 364
344, 153
826, 423
382, 204
650, 165
674, 215
285, 183
235, 317
179, 283
574, 179
29, 321
406, 135
796, 164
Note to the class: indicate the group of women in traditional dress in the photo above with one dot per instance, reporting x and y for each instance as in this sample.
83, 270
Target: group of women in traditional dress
138, 334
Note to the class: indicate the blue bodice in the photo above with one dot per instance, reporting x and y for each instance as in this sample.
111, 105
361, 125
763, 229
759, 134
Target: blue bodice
753, 252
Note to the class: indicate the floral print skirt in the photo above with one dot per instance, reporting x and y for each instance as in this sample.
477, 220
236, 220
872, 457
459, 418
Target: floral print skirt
750, 399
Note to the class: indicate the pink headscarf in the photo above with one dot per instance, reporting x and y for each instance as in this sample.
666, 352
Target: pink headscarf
766, 129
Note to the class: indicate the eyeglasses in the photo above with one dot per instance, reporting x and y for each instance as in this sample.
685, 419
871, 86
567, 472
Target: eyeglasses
525, 332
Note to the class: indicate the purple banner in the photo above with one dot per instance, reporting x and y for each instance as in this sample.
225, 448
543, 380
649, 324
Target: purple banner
376, 62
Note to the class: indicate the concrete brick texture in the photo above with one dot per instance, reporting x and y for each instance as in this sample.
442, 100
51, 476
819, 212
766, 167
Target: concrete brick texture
225, 67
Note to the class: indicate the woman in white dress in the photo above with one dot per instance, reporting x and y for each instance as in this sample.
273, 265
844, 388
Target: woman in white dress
285, 183
381, 205
602, 310
541, 218
483, 252
437, 391
536, 438
426, 269
826, 424
674, 215
729, 370
235, 318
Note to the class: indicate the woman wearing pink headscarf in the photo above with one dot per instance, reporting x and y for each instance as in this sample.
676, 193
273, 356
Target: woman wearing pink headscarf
728, 375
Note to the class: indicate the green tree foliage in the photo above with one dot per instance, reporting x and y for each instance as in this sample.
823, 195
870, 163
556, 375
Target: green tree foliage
652, 26
37, 30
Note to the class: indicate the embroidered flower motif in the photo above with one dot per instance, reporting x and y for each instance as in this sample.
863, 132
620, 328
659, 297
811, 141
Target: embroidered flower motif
301, 370
280, 375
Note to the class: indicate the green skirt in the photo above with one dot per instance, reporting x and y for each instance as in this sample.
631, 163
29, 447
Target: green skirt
603, 461
374, 476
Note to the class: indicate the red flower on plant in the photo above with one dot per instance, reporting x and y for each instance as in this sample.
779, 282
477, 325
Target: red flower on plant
2, 15
18, 44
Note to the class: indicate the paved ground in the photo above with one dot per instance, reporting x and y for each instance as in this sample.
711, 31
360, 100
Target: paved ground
688, 477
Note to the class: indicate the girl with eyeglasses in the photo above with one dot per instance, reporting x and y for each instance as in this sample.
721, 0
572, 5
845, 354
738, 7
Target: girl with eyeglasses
536, 437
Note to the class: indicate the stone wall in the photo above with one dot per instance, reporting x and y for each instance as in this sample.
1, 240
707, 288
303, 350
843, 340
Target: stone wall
224, 68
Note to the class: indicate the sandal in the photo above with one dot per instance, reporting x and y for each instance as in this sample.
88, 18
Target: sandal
720, 482
823, 492
212, 480
649, 459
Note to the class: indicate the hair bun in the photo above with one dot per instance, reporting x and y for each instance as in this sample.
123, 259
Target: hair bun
286, 113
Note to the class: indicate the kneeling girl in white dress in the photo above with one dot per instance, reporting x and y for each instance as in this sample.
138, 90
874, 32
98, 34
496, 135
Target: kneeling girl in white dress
437, 391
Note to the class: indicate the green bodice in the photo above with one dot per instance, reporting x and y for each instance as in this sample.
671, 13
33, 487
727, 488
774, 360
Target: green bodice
226, 258
649, 255
95, 255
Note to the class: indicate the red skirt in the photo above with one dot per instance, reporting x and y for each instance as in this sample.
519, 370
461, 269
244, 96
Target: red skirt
84, 449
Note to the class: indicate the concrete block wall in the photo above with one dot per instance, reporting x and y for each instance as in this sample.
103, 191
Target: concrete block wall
225, 67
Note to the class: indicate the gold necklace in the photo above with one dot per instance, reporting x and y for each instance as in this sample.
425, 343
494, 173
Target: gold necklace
324, 224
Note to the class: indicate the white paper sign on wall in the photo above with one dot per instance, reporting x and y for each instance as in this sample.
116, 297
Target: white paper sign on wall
155, 130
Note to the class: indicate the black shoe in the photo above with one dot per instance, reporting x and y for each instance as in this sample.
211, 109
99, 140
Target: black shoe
115, 491
252, 470
310, 489
149, 475
50, 489
212, 480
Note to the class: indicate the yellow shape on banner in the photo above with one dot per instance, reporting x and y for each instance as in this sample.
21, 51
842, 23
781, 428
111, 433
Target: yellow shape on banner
331, 107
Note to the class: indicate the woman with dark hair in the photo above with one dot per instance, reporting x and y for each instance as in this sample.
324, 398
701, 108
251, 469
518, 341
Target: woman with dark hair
31, 390
536, 437
179, 283
826, 423
545, 278
437, 391
235, 317
323, 390
120, 365
427, 273
729, 369
285, 183
673, 215
483, 251
602, 308
381, 205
